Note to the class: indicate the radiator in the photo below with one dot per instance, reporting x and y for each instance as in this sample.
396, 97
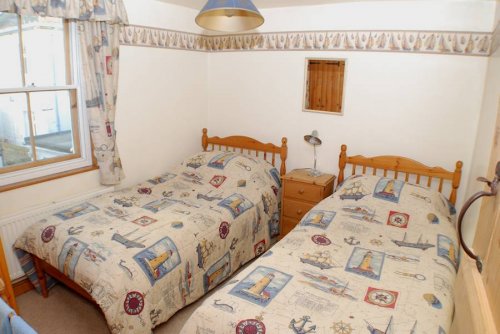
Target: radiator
13, 226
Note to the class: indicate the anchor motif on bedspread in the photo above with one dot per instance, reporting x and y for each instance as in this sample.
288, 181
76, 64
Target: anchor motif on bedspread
298, 326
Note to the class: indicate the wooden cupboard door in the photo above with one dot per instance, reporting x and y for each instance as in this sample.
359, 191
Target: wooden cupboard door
325, 85
487, 238
477, 296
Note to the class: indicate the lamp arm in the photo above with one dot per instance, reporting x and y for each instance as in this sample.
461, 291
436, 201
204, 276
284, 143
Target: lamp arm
314, 157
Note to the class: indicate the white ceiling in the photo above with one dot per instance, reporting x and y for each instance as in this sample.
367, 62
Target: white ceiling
198, 4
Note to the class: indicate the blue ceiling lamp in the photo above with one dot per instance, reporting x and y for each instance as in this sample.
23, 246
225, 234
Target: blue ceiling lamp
229, 16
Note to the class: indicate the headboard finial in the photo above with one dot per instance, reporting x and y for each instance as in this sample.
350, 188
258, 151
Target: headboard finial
342, 162
283, 155
455, 183
204, 139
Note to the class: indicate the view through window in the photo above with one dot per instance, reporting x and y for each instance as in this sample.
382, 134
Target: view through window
38, 96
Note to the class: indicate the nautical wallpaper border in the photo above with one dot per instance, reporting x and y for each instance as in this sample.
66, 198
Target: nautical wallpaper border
432, 42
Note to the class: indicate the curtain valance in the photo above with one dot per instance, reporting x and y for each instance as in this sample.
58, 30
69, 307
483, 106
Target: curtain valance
110, 11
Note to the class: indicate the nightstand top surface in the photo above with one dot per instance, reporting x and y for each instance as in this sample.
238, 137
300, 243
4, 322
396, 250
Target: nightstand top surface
302, 175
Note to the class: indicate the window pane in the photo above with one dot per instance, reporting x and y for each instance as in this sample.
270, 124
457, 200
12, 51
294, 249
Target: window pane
44, 51
52, 123
10, 64
15, 146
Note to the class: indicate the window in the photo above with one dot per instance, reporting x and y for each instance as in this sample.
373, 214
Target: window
324, 85
41, 127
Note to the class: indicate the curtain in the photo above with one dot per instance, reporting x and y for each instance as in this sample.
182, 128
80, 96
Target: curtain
99, 45
99, 28
111, 11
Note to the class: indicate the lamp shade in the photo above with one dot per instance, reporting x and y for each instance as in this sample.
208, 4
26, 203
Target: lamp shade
313, 138
229, 16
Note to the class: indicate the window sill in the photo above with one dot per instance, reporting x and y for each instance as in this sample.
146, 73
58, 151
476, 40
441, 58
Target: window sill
47, 178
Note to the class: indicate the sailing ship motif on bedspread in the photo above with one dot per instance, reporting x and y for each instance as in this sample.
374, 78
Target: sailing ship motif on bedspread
389, 329
204, 249
208, 197
268, 201
419, 244
355, 191
320, 259
328, 284
196, 161
363, 213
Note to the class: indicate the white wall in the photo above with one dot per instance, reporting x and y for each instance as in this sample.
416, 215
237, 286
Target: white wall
382, 15
154, 13
162, 109
421, 106
484, 138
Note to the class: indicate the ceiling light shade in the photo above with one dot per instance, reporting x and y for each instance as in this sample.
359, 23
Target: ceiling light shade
229, 16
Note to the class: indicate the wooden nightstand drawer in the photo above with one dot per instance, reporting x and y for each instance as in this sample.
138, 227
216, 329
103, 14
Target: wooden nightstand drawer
295, 209
303, 191
288, 224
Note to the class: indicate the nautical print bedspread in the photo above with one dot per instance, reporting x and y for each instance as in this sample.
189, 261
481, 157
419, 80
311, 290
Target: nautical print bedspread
379, 256
145, 252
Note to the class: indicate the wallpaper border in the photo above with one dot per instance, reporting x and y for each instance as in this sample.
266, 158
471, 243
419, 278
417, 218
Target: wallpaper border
431, 42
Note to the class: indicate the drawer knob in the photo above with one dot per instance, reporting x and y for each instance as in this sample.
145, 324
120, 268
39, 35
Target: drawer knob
299, 212
301, 191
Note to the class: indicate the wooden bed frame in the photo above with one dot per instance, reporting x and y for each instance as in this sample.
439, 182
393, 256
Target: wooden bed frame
242, 143
477, 296
233, 143
401, 165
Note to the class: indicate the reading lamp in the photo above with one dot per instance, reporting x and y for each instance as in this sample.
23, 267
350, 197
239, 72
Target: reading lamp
229, 16
314, 141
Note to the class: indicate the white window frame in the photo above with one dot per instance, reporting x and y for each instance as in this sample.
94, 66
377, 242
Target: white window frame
85, 158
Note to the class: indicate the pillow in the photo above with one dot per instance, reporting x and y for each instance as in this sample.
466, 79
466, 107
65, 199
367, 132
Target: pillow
393, 193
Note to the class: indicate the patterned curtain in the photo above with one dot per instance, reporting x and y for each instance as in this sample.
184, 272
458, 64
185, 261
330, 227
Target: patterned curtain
99, 29
111, 11
99, 44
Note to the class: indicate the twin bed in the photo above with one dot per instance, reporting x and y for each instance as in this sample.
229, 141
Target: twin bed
379, 256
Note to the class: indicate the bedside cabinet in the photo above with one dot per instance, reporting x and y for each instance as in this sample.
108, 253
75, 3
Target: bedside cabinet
300, 193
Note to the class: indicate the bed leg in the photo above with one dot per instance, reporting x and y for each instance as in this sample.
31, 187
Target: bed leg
42, 280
